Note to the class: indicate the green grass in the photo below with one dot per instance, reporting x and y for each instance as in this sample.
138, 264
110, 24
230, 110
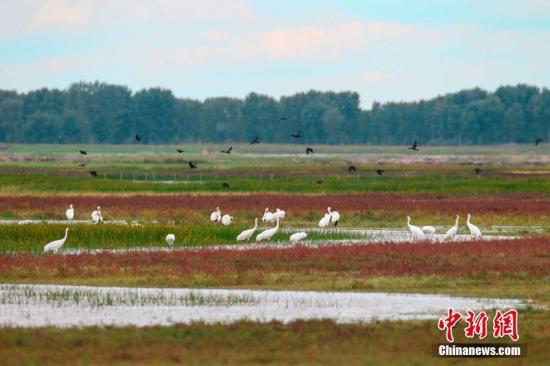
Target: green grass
430, 183
33, 237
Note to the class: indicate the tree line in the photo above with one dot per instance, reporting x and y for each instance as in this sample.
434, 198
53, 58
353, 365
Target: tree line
105, 113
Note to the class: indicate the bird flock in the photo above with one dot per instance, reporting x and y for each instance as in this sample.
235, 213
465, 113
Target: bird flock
330, 217
296, 135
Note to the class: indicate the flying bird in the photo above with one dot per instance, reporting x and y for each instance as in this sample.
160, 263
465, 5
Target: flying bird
414, 145
82, 164
352, 168
256, 140
538, 141
283, 118
478, 171
380, 171
180, 151
82, 152
93, 173
320, 182
228, 151
297, 134
192, 165
309, 150
139, 137
225, 185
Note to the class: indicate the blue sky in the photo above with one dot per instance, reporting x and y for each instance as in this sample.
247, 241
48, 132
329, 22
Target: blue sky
387, 50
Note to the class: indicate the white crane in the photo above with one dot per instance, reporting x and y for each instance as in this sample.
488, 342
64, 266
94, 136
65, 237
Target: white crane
324, 221
450, 234
227, 219
97, 217
296, 237
474, 230
279, 214
247, 234
268, 234
170, 239
415, 230
268, 216
216, 216
428, 230
70, 213
55, 245
334, 216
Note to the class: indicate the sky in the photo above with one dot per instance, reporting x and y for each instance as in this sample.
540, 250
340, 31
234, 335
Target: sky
386, 50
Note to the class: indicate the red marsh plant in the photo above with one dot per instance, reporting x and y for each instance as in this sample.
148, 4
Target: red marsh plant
529, 257
169, 205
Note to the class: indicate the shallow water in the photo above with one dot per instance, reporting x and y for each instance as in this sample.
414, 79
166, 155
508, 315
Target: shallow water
67, 306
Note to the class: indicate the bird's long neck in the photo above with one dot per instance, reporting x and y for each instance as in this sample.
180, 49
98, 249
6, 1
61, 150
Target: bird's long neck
66, 233
255, 224
277, 226
456, 222
468, 221
408, 220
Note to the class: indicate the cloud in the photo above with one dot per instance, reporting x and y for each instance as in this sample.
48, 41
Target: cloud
311, 42
61, 13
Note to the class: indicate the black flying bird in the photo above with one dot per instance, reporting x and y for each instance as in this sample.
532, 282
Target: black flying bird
225, 185
283, 118
255, 141
139, 137
93, 173
82, 152
297, 134
380, 171
413, 147
82, 164
228, 151
180, 151
352, 168
539, 140
192, 165
309, 150
478, 171
320, 182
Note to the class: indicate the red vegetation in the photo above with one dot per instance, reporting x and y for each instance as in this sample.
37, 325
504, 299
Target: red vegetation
509, 257
510, 203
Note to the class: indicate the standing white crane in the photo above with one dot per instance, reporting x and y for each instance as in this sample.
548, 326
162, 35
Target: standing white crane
428, 230
324, 221
247, 234
170, 239
296, 237
97, 217
268, 234
474, 230
268, 216
334, 216
279, 214
55, 245
216, 216
70, 213
450, 234
227, 219
415, 230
